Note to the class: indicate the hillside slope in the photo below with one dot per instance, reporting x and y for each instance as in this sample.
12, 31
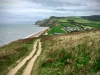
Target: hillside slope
85, 20
61, 25
76, 53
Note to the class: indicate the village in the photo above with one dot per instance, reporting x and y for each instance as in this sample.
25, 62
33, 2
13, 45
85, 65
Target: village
74, 28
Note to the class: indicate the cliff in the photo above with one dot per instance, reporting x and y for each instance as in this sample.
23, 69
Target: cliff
45, 22
49, 22
55, 21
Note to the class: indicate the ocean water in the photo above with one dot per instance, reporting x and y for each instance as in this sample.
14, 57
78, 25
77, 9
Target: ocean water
12, 32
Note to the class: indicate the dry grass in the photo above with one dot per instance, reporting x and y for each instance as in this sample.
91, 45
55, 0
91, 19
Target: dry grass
11, 53
76, 53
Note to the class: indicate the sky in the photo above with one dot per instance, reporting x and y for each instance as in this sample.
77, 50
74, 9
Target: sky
13, 11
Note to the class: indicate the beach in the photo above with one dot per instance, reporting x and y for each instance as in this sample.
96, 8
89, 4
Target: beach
37, 34
10, 33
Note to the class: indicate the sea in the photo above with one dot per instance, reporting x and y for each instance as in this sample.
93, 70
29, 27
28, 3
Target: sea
12, 32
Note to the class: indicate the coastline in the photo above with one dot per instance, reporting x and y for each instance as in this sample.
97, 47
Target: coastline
37, 34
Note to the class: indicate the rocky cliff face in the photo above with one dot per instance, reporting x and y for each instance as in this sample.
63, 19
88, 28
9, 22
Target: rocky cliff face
56, 23
48, 22
45, 22
41, 22
51, 22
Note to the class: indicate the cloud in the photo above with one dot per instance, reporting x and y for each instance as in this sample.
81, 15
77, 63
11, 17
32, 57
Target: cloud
66, 2
79, 9
62, 6
22, 10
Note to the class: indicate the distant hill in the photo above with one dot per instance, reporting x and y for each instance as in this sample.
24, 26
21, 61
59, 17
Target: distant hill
92, 18
73, 19
62, 25
48, 22
44, 23
75, 51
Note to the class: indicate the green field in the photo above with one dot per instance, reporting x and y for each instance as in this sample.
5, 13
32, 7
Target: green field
77, 20
92, 25
62, 20
57, 29
67, 24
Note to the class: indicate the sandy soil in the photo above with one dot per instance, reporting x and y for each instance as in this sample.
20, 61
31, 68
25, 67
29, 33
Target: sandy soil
14, 70
30, 65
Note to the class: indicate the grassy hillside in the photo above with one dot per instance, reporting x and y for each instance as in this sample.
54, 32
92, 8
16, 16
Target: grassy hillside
60, 25
76, 53
92, 21
12, 53
57, 29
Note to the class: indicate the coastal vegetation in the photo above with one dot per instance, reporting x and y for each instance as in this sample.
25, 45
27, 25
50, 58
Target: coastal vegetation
13, 53
61, 25
75, 51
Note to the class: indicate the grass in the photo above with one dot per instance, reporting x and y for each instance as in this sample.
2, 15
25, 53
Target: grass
92, 25
53, 19
62, 20
86, 22
81, 20
56, 29
72, 22
11, 53
67, 25
76, 53
20, 71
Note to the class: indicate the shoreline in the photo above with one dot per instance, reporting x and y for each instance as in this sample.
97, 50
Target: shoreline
37, 34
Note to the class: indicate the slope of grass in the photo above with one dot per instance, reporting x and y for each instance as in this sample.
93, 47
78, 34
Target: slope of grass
86, 22
11, 53
56, 29
73, 21
76, 53
81, 20
67, 24
94, 25
62, 20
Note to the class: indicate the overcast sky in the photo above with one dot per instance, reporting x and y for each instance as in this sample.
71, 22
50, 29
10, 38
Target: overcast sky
32, 10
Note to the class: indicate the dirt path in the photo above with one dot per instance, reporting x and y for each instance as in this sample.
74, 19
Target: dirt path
30, 65
14, 70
